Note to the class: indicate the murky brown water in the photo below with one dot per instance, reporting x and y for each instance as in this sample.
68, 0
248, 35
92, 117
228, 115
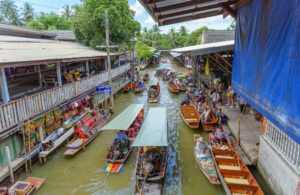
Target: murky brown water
84, 174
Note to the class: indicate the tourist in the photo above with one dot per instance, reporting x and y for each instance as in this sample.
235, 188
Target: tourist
215, 96
219, 136
242, 105
222, 118
69, 77
205, 114
201, 146
77, 75
186, 99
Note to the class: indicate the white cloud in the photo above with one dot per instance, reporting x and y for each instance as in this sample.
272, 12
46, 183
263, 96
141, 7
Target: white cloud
216, 22
149, 20
138, 8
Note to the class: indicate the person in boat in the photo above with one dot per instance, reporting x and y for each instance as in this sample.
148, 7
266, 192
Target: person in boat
197, 93
214, 107
222, 118
186, 99
80, 133
219, 136
77, 75
201, 146
205, 114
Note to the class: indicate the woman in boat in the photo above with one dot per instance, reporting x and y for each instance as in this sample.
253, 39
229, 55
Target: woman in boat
205, 116
219, 136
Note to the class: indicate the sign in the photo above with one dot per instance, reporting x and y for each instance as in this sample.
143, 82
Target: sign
104, 89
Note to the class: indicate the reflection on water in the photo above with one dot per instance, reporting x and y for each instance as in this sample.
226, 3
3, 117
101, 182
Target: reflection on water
84, 174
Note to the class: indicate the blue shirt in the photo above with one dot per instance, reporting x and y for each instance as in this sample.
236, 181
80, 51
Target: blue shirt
187, 98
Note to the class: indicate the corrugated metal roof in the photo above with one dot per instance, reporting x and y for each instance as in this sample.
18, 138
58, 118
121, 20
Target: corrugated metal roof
29, 51
166, 12
62, 35
6, 29
212, 36
208, 48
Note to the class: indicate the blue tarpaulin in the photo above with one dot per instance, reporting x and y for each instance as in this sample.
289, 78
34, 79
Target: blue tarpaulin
266, 68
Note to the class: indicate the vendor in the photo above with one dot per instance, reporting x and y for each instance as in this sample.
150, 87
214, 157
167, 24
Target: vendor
186, 99
201, 146
77, 75
219, 136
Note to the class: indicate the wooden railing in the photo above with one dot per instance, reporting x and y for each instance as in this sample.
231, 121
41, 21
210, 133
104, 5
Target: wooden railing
284, 145
22, 109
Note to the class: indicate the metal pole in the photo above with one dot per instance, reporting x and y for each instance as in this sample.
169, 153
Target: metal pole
58, 72
10, 169
87, 67
3, 86
108, 59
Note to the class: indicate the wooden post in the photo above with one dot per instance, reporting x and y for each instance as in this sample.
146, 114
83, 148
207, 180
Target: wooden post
40, 76
3, 86
87, 67
239, 124
58, 73
10, 168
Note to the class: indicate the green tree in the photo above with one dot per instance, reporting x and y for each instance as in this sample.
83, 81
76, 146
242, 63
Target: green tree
67, 11
183, 31
89, 22
50, 21
10, 12
27, 12
143, 51
195, 37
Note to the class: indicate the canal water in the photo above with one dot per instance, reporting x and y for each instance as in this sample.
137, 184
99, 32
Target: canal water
84, 173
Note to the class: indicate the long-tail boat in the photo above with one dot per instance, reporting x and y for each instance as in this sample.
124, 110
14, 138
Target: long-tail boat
190, 116
154, 93
173, 87
234, 174
127, 124
86, 130
205, 162
153, 153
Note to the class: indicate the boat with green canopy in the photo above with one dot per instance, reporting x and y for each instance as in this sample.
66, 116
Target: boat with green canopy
127, 124
153, 152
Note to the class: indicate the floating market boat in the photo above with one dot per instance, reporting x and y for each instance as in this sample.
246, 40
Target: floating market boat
154, 93
129, 86
146, 77
210, 126
128, 124
234, 174
86, 130
140, 87
153, 153
173, 87
205, 162
190, 116
27, 187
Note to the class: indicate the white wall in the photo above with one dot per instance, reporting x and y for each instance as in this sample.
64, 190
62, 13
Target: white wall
281, 177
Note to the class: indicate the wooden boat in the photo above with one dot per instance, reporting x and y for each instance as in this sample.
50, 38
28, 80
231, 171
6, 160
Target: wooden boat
173, 87
154, 93
206, 163
147, 181
153, 153
29, 186
190, 116
128, 124
139, 87
182, 88
146, 78
234, 174
90, 126
129, 86
210, 126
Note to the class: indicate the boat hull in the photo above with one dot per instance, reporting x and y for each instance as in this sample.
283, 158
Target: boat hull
190, 116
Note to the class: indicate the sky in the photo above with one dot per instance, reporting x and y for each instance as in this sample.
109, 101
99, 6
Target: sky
141, 14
